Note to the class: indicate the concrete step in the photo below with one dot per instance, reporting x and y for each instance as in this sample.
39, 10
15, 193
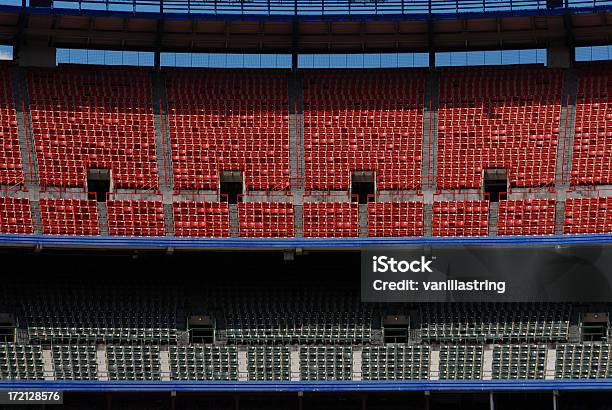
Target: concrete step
493, 218
234, 224
169, 217
103, 218
27, 147
36, 216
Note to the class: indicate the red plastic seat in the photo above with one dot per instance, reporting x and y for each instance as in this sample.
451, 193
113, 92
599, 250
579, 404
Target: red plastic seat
69, 216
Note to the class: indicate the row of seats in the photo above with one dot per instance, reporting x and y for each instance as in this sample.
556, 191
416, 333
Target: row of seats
69, 216
363, 122
588, 215
135, 218
587, 360
93, 118
11, 172
592, 156
75, 362
460, 362
326, 363
504, 117
15, 215
268, 363
203, 362
330, 219
584, 361
348, 328
493, 117
478, 323
133, 362
201, 219
395, 362
526, 217
266, 219
222, 120
460, 218
321, 219
519, 361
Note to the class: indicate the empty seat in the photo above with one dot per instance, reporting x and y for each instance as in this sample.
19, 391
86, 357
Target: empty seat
363, 122
519, 362
135, 218
395, 362
460, 218
526, 217
331, 219
134, 362
75, 362
201, 219
15, 215
266, 219
584, 361
93, 118
588, 215
11, 172
502, 117
395, 218
21, 362
69, 216
223, 120
203, 362
592, 155
268, 363
503, 323
461, 362
326, 363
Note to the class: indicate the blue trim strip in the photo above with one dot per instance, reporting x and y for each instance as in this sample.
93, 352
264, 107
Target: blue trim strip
48, 241
196, 16
345, 386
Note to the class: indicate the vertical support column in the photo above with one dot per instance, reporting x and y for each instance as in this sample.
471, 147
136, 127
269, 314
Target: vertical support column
551, 363
294, 363
357, 363
429, 152
48, 364
164, 363
243, 364
24, 129
567, 121
102, 362
163, 150
434, 363
487, 362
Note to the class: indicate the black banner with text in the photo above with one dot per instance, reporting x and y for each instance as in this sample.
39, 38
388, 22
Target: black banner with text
576, 273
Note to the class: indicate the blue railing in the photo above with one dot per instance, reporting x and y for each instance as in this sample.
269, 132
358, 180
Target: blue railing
313, 386
318, 7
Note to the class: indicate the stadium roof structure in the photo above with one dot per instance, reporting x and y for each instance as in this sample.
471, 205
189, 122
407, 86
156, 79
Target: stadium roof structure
322, 26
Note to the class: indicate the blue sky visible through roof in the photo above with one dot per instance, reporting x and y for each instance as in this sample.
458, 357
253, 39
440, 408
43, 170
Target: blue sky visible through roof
382, 60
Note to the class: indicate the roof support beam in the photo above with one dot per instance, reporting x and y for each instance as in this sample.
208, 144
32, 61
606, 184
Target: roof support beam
22, 23
431, 48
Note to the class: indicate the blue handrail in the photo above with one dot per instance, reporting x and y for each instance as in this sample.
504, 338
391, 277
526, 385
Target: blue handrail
316, 7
